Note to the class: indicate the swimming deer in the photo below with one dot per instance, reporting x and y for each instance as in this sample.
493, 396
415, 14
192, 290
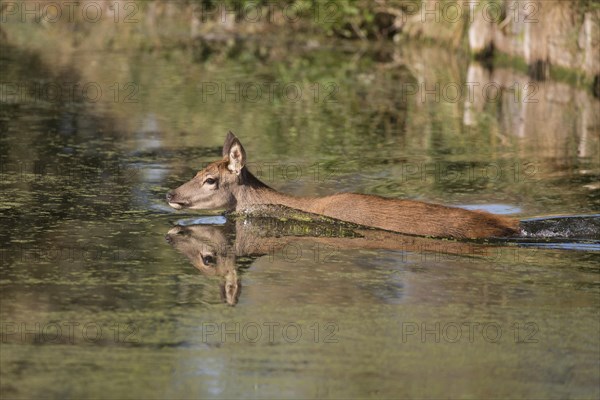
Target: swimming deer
227, 184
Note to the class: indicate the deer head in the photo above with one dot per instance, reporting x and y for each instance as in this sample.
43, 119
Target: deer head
215, 186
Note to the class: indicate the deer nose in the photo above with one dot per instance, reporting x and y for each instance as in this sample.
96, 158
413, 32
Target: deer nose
170, 196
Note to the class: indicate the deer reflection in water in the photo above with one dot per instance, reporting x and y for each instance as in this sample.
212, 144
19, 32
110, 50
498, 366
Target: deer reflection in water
214, 249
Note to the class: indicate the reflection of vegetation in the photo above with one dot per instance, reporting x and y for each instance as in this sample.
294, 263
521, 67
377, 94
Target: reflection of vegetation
355, 115
345, 18
557, 73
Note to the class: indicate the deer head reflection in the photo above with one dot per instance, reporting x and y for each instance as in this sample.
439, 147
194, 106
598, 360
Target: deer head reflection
209, 251
214, 249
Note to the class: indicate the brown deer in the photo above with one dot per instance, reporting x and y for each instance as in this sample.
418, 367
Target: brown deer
227, 184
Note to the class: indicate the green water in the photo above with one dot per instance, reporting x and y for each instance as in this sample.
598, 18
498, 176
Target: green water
95, 303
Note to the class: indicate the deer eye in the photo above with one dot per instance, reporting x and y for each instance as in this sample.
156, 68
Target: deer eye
208, 260
210, 181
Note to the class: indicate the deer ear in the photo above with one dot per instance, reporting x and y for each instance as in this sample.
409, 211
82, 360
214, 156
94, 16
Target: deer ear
237, 157
228, 142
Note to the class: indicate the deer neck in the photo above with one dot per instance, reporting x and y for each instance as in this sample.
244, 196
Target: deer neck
252, 191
